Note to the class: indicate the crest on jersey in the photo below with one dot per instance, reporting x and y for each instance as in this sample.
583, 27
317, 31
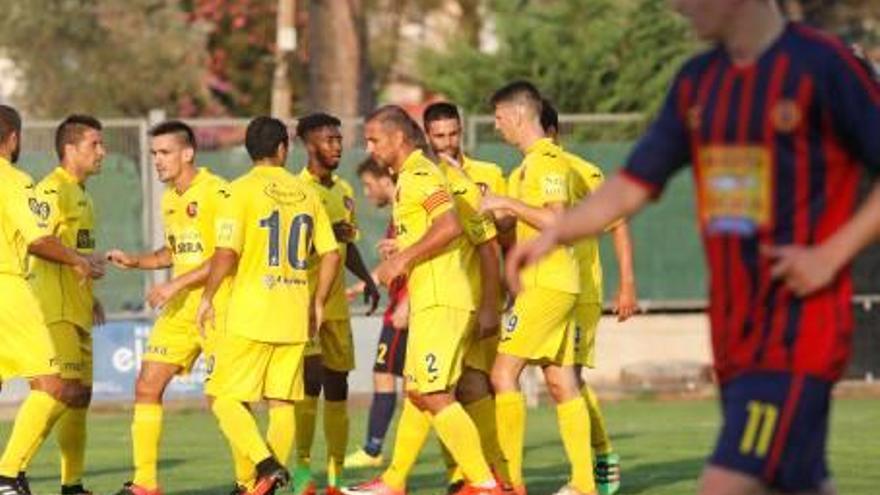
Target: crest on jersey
484, 188
192, 209
786, 115
695, 117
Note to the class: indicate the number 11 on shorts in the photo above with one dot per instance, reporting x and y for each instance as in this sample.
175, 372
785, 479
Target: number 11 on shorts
760, 425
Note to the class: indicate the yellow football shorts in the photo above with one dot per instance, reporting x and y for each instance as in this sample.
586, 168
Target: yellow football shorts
538, 328
247, 370
334, 344
74, 348
177, 341
438, 338
586, 321
26, 349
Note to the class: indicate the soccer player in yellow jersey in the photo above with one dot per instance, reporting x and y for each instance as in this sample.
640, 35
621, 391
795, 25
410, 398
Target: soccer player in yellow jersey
442, 124
588, 178
190, 205
538, 329
330, 356
26, 347
433, 250
68, 305
266, 233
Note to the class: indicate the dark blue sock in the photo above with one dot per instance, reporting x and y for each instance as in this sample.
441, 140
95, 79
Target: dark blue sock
381, 412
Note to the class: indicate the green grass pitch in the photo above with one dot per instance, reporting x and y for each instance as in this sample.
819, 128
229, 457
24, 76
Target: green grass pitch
662, 446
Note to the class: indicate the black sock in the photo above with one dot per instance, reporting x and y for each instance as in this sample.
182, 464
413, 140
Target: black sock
381, 412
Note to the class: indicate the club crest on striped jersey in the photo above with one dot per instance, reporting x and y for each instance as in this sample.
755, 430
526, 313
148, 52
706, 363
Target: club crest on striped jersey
786, 115
695, 117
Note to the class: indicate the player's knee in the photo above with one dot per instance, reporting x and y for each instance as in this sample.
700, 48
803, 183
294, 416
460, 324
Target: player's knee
147, 390
502, 379
383, 383
472, 387
416, 399
437, 401
335, 385
313, 376
83, 397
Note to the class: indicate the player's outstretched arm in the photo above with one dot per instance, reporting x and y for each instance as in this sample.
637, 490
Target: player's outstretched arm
156, 260
625, 304
539, 218
618, 198
443, 230
159, 295
355, 264
807, 269
50, 248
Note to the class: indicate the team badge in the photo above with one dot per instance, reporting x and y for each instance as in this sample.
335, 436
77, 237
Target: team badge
192, 209
786, 115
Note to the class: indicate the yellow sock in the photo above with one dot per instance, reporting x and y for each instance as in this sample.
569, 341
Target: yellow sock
35, 418
453, 472
482, 412
598, 433
510, 411
245, 470
413, 428
574, 421
306, 417
71, 434
146, 433
281, 431
458, 433
240, 429
336, 435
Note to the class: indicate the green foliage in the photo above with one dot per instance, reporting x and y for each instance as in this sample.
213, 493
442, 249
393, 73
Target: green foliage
597, 56
108, 57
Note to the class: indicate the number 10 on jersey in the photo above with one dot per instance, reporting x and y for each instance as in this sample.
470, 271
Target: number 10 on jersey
299, 239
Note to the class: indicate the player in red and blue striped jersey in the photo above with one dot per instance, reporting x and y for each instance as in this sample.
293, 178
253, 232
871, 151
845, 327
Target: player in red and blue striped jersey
777, 122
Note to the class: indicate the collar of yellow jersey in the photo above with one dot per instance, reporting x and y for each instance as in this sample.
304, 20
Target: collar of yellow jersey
412, 160
308, 175
540, 144
268, 169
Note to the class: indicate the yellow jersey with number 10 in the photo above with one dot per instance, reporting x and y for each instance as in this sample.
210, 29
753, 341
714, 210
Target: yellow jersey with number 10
544, 177
272, 220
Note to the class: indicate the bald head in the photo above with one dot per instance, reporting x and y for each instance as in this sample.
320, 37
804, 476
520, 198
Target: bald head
391, 136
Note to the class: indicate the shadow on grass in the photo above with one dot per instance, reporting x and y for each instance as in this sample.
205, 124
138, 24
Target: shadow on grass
642, 478
126, 469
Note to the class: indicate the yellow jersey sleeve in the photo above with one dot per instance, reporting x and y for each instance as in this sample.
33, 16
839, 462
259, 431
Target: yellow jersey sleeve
231, 218
27, 215
429, 191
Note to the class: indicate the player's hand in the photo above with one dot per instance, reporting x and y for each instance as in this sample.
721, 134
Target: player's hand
522, 255
98, 265
491, 203
390, 269
121, 259
159, 295
344, 232
489, 320
352, 291
371, 296
205, 315
99, 317
804, 270
449, 159
625, 304
387, 248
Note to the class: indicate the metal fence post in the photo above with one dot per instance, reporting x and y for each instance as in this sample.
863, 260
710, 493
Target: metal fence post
155, 236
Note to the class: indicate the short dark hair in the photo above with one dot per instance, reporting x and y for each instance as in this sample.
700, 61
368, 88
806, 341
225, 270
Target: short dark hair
396, 117
10, 122
72, 129
549, 116
313, 122
263, 136
369, 166
178, 128
440, 111
520, 92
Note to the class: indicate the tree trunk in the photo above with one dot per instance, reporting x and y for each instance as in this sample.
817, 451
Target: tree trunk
339, 77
